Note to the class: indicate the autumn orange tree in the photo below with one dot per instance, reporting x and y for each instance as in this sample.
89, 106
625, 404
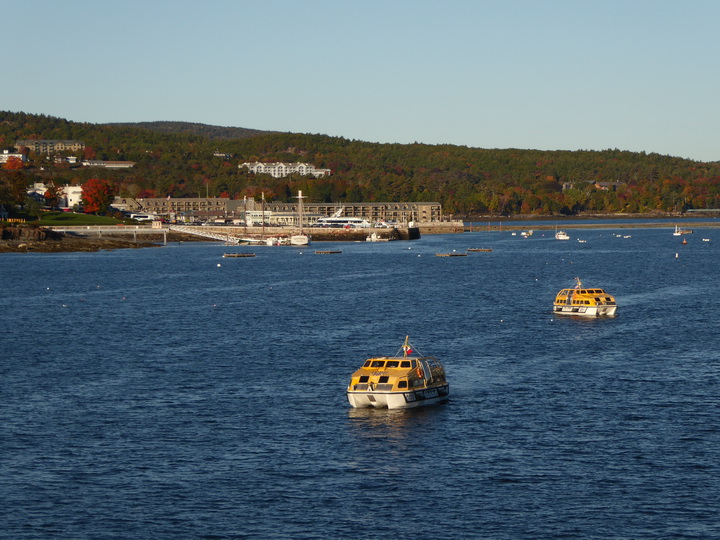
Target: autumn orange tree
13, 164
53, 194
97, 195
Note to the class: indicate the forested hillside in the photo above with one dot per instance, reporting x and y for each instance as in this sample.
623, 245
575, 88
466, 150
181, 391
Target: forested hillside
188, 128
179, 160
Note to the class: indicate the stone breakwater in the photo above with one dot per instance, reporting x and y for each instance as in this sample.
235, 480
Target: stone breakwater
318, 234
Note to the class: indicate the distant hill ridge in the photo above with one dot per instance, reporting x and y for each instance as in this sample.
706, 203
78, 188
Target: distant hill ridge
191, 128
184, 159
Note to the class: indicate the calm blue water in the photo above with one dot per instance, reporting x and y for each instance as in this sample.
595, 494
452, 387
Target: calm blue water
152, 394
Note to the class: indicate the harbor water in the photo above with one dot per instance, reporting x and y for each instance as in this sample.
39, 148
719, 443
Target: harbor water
172, 393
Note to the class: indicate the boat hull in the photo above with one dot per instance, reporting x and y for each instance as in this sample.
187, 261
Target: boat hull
586, 311
398, 399
299, 240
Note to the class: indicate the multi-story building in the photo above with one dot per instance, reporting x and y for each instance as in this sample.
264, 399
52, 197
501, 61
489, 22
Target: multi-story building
279, 169
182, 209
50, 146
399, 212
200, 209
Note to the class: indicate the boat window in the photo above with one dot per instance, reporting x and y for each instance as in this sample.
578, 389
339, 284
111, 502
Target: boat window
366, 364
378, 363
393, 363
587, 301
383, 379
405, 363
402, 384
364, 378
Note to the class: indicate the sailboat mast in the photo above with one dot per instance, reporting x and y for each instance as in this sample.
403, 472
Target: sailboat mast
300, 209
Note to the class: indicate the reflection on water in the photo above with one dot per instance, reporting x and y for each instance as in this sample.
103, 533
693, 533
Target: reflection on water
388, 439
393, 425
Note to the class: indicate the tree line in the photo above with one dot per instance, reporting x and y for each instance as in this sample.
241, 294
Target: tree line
179, 160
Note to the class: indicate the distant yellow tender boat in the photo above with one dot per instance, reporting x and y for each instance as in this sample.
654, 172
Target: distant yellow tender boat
584, 302
398, 382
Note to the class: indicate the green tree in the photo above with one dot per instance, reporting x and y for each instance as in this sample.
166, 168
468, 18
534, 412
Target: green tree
33, 207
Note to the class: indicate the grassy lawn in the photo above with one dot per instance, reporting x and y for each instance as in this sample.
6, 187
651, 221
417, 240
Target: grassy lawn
69, 218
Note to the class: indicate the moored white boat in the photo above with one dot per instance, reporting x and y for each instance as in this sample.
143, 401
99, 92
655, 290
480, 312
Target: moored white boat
375, 237
562, 235
299, 240
398, 382
584, 302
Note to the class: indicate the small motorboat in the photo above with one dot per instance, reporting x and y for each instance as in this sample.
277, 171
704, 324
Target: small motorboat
584, 302
402, 381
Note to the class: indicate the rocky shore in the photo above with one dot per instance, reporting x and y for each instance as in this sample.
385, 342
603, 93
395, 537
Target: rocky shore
40, 240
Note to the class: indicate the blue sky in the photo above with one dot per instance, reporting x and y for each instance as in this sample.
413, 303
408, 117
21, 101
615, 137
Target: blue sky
639, 75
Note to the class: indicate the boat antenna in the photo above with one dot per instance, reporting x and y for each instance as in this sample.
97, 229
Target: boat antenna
408, 348
578, 283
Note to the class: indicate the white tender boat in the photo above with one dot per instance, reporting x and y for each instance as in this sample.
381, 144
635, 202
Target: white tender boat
398, 382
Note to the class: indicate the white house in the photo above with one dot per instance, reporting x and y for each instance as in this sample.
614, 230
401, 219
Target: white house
71, 195
7, 154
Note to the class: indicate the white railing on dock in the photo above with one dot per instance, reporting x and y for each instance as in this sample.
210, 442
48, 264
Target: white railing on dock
198, 231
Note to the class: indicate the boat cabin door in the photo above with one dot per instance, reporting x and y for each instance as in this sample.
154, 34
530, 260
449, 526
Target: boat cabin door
427, 371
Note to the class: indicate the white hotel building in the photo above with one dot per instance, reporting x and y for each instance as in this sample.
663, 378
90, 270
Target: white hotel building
279, 169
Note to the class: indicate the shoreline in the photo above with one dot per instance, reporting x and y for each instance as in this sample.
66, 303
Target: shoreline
63, 243
565, 225
70, 244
